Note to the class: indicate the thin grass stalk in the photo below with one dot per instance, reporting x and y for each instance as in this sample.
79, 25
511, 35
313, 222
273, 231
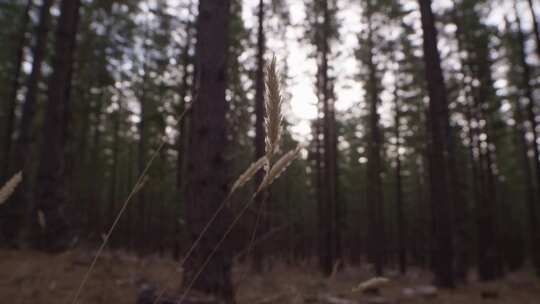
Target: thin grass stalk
253, 236
263, 238
196, 242
241, 181
138, 186
211, 255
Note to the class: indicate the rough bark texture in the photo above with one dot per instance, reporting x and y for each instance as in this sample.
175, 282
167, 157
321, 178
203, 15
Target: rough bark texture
51, 201
528, 93
374, 167
23, 143
20, 37
442, 247
329, 236
207, 167
182, 138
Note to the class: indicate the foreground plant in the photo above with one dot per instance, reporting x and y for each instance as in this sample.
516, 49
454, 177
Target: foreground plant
273, 169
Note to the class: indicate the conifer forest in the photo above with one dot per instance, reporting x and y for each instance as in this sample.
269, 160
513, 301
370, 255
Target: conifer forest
269, 151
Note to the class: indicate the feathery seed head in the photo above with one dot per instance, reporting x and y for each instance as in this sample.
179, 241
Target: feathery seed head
278, 168
249, 173
273, 101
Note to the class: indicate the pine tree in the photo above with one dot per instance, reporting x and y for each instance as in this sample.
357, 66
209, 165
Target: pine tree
443, 251
51, 201
207, 182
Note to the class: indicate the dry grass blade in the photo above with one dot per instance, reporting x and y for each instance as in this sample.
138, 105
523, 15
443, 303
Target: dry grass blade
273, 101
218, 244
7, 190
279, 167
143, 178
249, 173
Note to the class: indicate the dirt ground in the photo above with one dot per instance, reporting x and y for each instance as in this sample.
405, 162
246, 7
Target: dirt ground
37, 278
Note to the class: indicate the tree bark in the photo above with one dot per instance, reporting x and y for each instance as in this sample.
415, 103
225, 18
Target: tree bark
330, 235
23, 142
402, 232
207, 167
528, 93
51, 201
12, 98
439, 123
182, 137
374, 169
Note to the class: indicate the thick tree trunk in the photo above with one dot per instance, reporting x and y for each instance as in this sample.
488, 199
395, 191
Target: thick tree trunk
51, 201
22, 147
374, 169
528, 93
443, 251
23, 143
12, 98
207, 168
330, 237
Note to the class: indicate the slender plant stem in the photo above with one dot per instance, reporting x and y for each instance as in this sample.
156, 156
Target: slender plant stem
227, 232
138, 186
253, 236
196, 242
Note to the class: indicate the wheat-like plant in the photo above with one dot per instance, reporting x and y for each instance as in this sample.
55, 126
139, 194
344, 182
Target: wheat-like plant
7, 190
273, 119
278, 168
274, 116
249, 173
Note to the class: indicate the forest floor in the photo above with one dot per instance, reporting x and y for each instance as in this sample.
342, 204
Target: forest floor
33, 277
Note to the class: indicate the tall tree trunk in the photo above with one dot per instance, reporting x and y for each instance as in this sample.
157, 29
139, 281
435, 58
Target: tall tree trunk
439, 122
95, 161
141, 155
402, 232
528, 93
374, 169
51, 201
20, 37
113, 184
261, 226
207, 168
22, 146
528, 178
330, 238
182, 138
23, 143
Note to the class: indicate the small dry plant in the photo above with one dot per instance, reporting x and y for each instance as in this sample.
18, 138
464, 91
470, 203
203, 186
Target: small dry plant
273, 169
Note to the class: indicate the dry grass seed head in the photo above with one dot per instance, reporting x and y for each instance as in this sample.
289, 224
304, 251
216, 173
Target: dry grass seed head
249, 173
273, 101
7, 190
278, 168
